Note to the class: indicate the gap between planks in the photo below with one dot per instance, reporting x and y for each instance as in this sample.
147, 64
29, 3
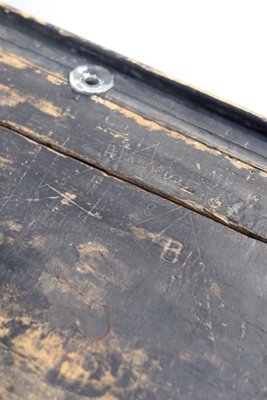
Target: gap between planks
192, 206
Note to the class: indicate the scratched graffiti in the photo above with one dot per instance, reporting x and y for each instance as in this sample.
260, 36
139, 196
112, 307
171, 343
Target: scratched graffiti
171, 251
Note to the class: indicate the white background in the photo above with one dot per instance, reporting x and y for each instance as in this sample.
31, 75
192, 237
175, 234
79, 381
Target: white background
218, 46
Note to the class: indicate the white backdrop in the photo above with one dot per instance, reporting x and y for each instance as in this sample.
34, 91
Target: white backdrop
218, 46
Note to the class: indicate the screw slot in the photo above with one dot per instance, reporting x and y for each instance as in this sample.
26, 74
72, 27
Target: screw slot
91, 79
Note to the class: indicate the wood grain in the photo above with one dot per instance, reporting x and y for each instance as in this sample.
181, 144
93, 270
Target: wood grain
174, 111
124, 143
111, 292
133, 231
54, 44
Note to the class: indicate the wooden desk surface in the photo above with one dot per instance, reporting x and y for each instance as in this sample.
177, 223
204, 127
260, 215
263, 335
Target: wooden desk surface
133, 232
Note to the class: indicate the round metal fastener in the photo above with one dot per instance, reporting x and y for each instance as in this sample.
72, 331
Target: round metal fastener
91, 79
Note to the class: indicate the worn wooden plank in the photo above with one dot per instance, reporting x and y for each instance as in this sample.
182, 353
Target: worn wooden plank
141, 89
55, 41
43, 106
111, 292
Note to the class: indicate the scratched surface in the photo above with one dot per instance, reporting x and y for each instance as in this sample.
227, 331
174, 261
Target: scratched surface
128, 270
137, 87
43, 106
110, 292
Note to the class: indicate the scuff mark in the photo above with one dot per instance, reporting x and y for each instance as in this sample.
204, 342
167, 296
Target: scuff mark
12, 225
263, 174
70, 201
215, 290
11, 97
68, 197
86, 249
37, 242
234, 209
214, 203
153, 126
5, 161
12, 60
56, 80
238, 164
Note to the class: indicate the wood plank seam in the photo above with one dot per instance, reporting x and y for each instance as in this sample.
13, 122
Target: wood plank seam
49, 143
168, 160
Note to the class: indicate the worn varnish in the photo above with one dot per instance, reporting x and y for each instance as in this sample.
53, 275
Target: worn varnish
108, 135
108, 291
133, 232
187, 110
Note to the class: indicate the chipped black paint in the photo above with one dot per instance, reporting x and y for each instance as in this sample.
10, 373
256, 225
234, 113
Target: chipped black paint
85, 274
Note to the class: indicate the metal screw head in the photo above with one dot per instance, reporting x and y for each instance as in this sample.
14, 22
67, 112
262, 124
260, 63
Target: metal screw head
91, 79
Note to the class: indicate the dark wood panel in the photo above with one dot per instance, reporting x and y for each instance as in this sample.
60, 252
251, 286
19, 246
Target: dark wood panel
111, 292
55, 43
154, 96
44, 107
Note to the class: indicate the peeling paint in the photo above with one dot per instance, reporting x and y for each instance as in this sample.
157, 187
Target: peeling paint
56, 80
11, 97
152, 126
12, 61
239, 164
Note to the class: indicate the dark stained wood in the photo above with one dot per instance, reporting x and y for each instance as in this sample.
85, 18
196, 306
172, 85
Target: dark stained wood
133, 231
54, 44
181, 108
111, 292
172, 111
43, 106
